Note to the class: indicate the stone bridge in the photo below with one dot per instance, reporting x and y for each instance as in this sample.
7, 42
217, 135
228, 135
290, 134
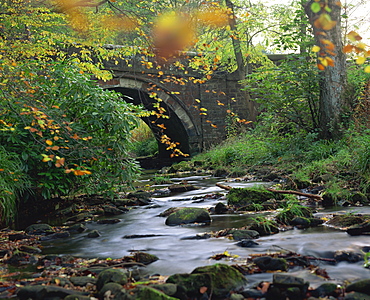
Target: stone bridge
197, 112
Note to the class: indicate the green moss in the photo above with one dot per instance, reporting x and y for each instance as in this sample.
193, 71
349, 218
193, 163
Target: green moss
239, 197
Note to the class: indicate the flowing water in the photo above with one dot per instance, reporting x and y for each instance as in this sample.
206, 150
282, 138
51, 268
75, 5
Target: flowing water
178, 255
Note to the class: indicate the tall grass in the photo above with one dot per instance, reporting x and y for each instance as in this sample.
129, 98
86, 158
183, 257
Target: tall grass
13, 182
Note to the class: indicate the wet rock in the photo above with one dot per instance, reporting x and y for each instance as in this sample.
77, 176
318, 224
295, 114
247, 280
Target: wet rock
188, 215
141, 197
55, 236
111, 210
327, 200
244, 234
113, 290
189, 285
347, 220
180, 188
220, 208
82, 280
199, 236
224, 279
80, 217
252, 293
61, 281
21, 258
300, 222
264, 229
363, 228
239, 197
118, 276
39, 229
357, 296
326, 289
108, 221
267, 263
77, 297
140, 236
246, 243
41, 292
285, 286
93, 234
145, 293
360, 286
144, 258
169, 211
29, 249
348, 256
77, 228
358, 198
169, 289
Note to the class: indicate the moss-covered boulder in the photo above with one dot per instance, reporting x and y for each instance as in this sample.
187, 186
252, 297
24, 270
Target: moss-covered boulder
188, 215
111, 275
190, 285
148, 293
113, 290
360, 286
240, 197
268, 263
224, 279
39, 229
244, 234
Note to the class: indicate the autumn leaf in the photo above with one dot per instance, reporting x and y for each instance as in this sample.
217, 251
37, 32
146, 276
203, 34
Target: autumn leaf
367, 69
315, 49
360, 60
347, 48
49, 142
325, 22
354, 36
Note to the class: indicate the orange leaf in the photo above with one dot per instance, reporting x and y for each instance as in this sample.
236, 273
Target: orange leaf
320, 67
354, 36
48, 142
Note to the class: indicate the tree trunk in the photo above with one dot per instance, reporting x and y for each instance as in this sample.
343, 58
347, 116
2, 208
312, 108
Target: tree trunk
333, 78
241, 70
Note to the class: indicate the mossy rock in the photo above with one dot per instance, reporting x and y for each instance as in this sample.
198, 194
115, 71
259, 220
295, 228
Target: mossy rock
360, 286
189, 285
347, 220
144, 258
268, 263
111, 275
39, 229
115, 291
148, 293
239, 197
242, 234
224, 279
358, 197
188, 215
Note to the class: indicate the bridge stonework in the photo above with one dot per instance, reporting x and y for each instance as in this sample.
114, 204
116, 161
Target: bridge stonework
192, 107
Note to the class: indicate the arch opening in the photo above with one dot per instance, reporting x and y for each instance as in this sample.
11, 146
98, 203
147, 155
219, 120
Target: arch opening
173, 125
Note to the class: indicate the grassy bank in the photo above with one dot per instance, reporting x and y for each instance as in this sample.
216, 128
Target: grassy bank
341, 166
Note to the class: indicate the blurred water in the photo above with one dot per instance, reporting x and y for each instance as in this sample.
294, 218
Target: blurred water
178, 256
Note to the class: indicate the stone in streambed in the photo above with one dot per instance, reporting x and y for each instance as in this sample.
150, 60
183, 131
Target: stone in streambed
39, 229
56, 235
40, 292
358, 229
113, 290
77, 228
181, 187
189, 285
326, 289
188, 215
242, 234
149, 293
357, 296
93, 234
240, 197
111, 275
268, 263
82, 280
361, 286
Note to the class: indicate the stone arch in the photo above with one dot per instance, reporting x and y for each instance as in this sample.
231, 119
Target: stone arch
180, 126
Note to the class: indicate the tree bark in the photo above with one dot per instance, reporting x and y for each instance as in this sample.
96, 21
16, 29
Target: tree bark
241, 70
333, 78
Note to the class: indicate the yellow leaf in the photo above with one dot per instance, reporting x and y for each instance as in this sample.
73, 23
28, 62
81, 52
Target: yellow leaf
48, 142
367, 69
360, 60
354, 36
315, 49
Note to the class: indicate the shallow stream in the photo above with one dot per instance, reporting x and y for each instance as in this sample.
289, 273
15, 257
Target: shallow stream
178, 255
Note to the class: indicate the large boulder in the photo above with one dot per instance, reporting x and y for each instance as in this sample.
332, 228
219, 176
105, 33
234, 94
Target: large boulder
360, 286
111, 275
39, 229
190, 285
268, 263
224, 279
188, 215
240, 197
148, 293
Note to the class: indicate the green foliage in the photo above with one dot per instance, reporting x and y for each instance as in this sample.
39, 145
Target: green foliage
291, 210
71, 135
288, 94
161, 179
13, 183
267, 225
143, 141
